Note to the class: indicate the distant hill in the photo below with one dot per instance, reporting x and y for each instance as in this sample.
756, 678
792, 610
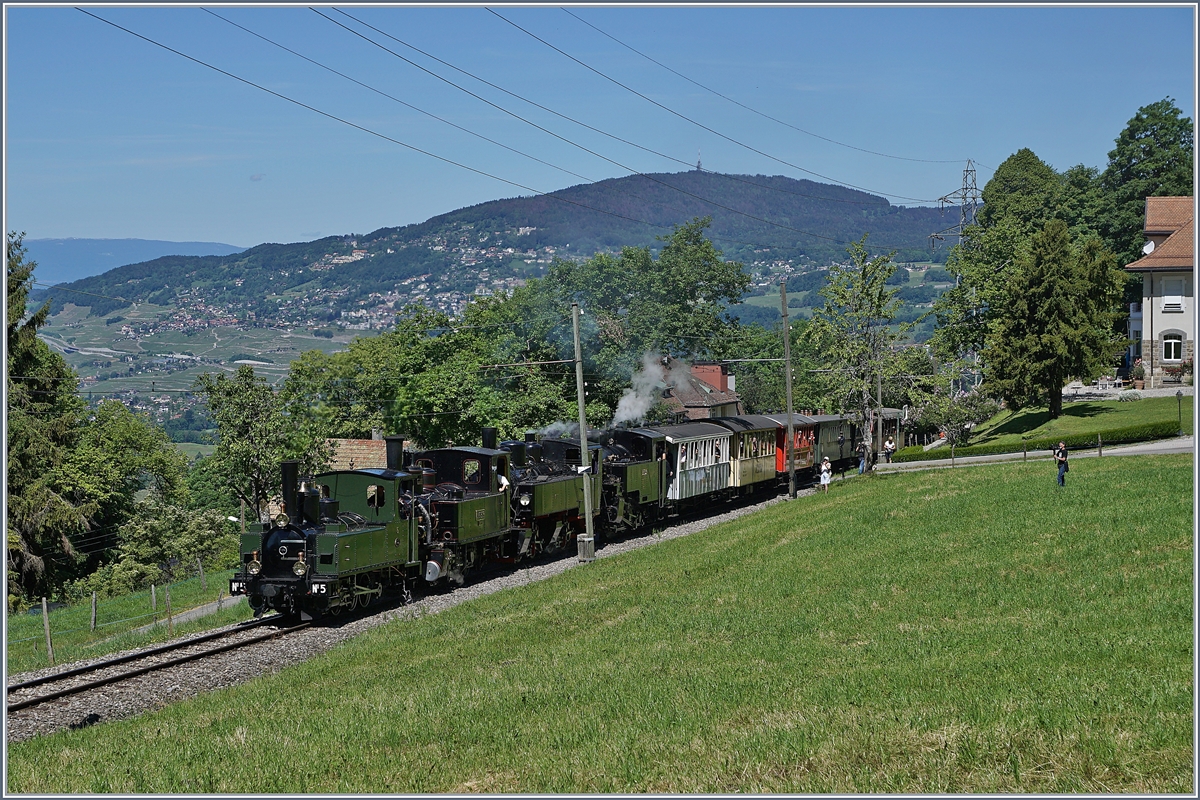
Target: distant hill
64, 260
359, 279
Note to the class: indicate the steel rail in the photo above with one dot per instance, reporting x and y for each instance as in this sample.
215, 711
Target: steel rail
83, 687
153, 651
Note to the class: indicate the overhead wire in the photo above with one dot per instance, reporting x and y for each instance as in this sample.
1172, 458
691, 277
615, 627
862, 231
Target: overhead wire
700, 124
592, 128
398, 100
553, 195
754, 110
588, 150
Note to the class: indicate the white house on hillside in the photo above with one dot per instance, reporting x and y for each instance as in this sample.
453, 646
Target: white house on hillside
1163, 325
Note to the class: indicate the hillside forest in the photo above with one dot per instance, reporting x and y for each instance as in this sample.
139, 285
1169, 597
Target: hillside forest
100, 499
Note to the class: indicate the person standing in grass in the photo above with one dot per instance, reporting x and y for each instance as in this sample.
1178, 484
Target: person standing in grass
826, 474
1060, 456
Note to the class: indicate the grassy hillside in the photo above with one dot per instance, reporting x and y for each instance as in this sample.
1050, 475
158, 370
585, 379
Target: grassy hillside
966, 631
1082, 418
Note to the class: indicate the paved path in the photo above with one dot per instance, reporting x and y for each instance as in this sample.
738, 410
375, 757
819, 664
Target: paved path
1182, 444
194, 613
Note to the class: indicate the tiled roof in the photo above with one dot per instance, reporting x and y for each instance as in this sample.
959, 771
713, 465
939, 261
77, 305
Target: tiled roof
1177, 252
359, 454
1166, 214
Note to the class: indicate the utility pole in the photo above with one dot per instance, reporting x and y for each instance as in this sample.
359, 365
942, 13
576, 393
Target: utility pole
787, 382
586, 543
878, 412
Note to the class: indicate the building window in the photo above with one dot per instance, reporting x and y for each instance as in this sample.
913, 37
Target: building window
1172, 289
1172, 347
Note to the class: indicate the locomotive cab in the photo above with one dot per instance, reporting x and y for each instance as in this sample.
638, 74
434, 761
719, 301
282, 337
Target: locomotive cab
339, 541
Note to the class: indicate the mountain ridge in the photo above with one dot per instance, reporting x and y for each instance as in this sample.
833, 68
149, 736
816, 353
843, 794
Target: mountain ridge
781, 226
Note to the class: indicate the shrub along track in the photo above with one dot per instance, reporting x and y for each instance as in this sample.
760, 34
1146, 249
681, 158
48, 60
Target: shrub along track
160, 687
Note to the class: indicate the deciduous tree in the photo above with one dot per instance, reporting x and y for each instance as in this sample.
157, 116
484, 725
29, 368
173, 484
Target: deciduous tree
854, 328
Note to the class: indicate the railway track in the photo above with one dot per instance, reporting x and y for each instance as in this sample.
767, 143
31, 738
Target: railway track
74, 681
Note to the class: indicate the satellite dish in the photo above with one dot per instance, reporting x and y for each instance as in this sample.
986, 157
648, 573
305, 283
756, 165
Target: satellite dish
1148, 248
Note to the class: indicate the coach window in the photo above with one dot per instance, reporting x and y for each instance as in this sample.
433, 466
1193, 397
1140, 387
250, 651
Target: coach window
376, 496
471, 471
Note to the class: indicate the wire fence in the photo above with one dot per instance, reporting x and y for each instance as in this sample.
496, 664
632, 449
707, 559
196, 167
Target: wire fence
36, 638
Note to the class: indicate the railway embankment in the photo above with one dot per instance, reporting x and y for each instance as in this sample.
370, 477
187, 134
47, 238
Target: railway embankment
952, 631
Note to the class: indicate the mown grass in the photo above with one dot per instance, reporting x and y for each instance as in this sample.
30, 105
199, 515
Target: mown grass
1081, 419
965, 631
117, 621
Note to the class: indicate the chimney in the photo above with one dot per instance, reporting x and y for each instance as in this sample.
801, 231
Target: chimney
291, 474
395, 452
714, 374
490, 436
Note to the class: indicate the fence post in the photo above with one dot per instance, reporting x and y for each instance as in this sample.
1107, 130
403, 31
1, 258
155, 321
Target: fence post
203, 582
1099, 446
220, 596
952, 454
154, 598
46, 625
93, 611
170, 621
1024, 449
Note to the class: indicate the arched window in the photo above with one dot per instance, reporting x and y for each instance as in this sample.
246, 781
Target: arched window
1172, 347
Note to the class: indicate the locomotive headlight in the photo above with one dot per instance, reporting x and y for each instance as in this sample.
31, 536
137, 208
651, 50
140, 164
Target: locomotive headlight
254, 567
299, 568
281, 520
526, 500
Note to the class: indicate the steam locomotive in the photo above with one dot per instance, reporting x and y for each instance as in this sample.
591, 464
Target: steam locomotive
346, 537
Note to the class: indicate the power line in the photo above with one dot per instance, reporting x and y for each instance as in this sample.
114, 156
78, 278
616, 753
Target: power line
576, 144
552, 195
362, 128
754, 110
699, 124
600, 131
401, 102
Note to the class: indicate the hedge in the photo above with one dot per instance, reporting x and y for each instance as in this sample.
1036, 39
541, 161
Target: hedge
1129, 435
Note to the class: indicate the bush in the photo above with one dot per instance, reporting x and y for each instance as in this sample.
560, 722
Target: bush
1134, 433
1129, 396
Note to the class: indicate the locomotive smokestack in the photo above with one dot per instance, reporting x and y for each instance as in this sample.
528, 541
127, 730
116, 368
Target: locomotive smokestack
518, 453
395, 452
291, 502
530, 437
490, 437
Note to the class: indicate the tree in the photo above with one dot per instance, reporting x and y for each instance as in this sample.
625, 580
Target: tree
1022, 194
1058, 324
854, 326
254, 437
943, 405
44, 415
1152, 158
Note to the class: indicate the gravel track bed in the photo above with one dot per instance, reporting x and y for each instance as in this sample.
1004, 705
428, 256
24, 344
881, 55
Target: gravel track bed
160, 688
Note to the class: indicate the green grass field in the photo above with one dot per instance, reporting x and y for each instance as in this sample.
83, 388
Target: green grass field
117, 619
1081, 418
940, 632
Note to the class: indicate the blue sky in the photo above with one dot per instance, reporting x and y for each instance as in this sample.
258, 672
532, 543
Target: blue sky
109, 136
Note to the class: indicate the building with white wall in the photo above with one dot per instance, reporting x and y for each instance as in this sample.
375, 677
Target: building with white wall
1164, 323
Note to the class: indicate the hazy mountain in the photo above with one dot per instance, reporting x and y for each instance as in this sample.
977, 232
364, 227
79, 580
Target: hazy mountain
64, 260
780, 225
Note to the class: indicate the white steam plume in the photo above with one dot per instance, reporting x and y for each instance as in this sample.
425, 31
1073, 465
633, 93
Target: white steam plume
643, 391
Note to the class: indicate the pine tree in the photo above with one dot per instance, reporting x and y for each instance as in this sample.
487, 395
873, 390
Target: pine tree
1058, 323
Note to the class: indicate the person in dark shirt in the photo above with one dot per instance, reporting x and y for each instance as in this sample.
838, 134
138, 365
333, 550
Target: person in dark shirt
1060, 457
